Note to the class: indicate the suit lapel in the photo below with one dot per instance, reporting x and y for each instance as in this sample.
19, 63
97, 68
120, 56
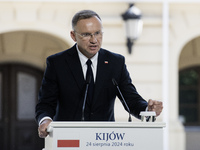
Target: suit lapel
102, 72
73, 61
74, 64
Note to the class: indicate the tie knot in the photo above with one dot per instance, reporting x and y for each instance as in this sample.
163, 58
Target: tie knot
89, 62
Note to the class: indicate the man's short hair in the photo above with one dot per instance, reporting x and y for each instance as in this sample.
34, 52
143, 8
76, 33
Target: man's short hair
83, 14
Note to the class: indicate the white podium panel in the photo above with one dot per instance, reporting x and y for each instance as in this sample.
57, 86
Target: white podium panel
104, 136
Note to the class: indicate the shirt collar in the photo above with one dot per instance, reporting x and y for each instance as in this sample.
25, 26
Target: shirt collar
84, 59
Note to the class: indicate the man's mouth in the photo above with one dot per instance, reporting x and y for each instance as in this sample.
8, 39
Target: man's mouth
93, 46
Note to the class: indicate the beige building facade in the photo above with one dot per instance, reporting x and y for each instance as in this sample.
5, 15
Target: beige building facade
32, 30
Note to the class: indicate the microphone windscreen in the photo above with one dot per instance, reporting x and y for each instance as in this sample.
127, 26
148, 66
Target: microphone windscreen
114, 82
88, 79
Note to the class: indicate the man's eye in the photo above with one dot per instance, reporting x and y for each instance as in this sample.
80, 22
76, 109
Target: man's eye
97, 33
86, 34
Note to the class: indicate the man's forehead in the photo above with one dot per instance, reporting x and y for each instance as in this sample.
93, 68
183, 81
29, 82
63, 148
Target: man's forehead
90, 24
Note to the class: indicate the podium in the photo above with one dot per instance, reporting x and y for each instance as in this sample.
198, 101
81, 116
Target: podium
104, 136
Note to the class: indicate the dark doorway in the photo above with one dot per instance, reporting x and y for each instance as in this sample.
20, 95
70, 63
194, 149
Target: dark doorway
19, 85
189, 96
189, 105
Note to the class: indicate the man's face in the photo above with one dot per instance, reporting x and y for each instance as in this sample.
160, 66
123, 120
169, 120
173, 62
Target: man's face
88, 35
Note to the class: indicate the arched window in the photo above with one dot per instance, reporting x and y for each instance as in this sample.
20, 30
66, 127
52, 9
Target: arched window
189, 96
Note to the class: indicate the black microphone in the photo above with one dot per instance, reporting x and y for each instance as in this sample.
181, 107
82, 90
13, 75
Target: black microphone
116, 84
88, 80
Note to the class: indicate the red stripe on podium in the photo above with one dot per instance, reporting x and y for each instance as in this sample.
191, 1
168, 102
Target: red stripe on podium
68, 143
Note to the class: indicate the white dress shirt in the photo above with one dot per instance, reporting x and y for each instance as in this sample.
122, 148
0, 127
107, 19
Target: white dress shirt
83, 60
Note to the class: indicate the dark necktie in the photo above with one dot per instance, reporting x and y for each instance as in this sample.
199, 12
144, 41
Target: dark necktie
89, 75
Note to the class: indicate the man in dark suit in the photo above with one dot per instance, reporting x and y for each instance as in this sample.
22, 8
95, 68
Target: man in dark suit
86, 67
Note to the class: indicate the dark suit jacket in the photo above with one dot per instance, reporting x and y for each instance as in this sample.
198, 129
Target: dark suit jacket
63, 87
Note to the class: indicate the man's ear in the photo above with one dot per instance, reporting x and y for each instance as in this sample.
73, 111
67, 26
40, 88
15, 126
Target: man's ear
72, 34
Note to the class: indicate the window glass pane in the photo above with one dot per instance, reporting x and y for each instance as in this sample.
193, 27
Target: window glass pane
1, 82
188, 96
26, 96
189, 77
190, 114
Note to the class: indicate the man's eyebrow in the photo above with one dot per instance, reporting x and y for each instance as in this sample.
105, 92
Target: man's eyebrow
90, 32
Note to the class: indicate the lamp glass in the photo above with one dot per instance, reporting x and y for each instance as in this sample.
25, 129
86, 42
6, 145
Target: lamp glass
133, 28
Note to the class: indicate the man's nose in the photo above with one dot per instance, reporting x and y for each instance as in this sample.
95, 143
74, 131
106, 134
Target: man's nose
93, 38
